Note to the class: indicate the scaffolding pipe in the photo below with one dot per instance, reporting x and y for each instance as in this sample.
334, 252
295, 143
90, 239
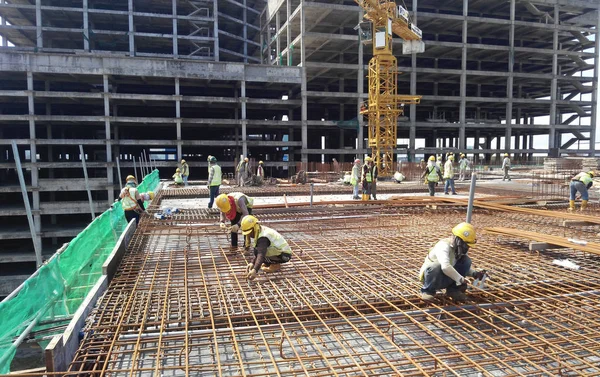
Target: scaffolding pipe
134, 169
119, 173
87, 182
36, 246
312, 186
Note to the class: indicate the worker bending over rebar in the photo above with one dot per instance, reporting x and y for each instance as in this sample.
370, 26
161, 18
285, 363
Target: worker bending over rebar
447, 265
271, 250
581, 183
132, 200
234, 206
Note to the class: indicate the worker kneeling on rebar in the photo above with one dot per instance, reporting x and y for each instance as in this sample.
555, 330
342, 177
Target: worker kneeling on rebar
581, 183
234, 207
270, 248
447, 265
132, 200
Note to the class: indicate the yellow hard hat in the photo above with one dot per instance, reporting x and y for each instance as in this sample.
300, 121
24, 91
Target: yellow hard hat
208, 158
451, 158
462, 155
183, 161
222, 202
431, 158
368, 159
505, 154
248, 224
246, 159
591, 174
130, 178
177, 170
439, 158
465, 232
151, 195
260, 162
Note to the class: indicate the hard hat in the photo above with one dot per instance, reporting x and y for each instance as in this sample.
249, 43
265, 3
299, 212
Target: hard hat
431, 158
177, 170
591, 174
246, 159
368, 159
182, 161
130, 178
465, 232
439, 158
451, 158
422, 160
357, 161
462, 155
505, 154
260, 162
248, 224
222, 202
208, 158
151, 195
213, 159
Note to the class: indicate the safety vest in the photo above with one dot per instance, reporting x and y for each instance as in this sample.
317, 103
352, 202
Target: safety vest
185, 170
278, 244
586, 179
129, 203
237, 195
433, 176
449, 170
368, 174
216, 178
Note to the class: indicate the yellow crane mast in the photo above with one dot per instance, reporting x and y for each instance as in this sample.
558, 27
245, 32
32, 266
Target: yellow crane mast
384, 104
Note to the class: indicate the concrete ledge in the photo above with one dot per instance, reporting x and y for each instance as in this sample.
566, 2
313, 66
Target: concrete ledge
536, 246
109, 268
577, 223
61, 350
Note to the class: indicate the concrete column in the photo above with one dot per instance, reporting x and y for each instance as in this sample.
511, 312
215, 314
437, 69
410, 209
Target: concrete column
131, 28
552, 141
38, 25
530, 146
342, 108
86, 27
360, 83
178, 119
463, 80
594, 120
509, 81
243, 99
216, 28
245, 31
175, 31
303, 87
412, 133
109, 168
498, 151
289, 31
277, 37
35, 193
4, 40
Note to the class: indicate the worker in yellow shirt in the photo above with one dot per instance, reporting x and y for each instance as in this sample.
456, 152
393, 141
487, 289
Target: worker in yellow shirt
271, 250
581, 183
132, 200
185, 172
234, 206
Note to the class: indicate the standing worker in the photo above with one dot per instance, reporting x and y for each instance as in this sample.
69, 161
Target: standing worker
355, 178
271, 250
439, 163
447, 264
432, 175
214, 180
449, 175
462, 167
506, 166
260, 172
366, 178
242, 171
185, 172
234, 206
581, 182
131, 200
375, 173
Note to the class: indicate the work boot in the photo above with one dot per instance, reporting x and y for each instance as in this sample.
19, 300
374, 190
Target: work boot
365, 197
571, 205
456, 295
584, 204
426, 296
271, 268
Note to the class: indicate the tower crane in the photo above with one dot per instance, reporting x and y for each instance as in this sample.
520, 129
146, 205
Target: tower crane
384, 104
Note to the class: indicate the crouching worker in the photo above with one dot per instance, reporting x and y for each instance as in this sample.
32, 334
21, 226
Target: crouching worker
581, 183
270, 248
234, 207
447, 265
131, 200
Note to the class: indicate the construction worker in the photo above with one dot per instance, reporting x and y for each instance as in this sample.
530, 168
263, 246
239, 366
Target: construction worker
208, 160
242, 171
185, 172
447, 265
439, 163
581, 183
234, 206
375, 173
260, 172
449, 175
432, 175
271, 250
506, 166
366, 178
214, 180
423, 164
177, 177
355, 178
463, 163
131, 200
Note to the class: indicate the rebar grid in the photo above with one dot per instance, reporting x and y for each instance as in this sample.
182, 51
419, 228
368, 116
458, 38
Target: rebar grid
346, 304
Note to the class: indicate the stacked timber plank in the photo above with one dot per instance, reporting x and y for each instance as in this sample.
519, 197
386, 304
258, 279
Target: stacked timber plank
572, 163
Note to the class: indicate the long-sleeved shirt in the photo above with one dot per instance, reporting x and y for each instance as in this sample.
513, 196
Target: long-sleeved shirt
185, 170
463, 163
449, 170
356, 172
443, 253
506, 163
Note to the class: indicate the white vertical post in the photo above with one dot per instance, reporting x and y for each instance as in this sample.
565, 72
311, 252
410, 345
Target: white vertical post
87, 183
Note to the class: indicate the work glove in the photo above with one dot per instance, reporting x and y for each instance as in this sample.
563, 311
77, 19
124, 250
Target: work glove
223, 226
249, 267
235, 228
478, 275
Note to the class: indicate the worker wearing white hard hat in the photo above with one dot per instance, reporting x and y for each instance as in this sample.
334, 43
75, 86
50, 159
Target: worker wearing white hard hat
131, 200
355, 178
506, 166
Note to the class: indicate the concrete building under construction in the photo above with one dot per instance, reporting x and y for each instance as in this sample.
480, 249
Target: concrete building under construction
279, 81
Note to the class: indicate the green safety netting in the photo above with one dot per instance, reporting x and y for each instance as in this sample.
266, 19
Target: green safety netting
62, 283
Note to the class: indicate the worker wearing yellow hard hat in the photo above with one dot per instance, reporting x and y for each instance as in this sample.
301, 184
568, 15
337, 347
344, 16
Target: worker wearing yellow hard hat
242, 171
506, 166
463, 163
260, 172
177, 177
132, 201
234, 206
271, 250
447, 265
432, 175
367, 178
185, 172
581, 183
